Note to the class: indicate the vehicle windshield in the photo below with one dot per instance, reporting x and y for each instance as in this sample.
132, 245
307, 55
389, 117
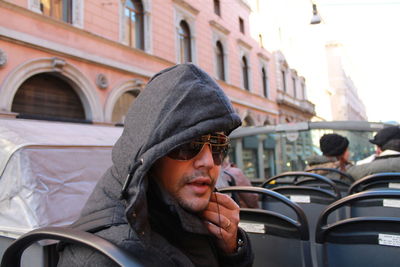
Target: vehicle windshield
263, 152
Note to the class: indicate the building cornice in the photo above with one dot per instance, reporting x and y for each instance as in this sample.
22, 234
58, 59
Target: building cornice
219, 27
61, 49
187, 6
243, 43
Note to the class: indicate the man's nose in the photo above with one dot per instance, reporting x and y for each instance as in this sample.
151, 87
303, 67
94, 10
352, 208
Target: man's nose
204, 158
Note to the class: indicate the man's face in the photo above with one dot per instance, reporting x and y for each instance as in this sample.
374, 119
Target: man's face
190, 182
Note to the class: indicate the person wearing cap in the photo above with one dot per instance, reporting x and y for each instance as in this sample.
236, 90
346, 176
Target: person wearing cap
157, 200
387, 157
335, 154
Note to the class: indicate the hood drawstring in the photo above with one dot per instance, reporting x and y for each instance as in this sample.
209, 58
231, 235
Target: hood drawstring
124, 191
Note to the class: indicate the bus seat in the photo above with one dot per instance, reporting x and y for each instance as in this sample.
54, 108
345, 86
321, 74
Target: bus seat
12, 255
359, 241
313, 200
277, 240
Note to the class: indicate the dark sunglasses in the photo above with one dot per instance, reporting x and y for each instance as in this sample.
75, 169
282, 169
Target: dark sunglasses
219, 145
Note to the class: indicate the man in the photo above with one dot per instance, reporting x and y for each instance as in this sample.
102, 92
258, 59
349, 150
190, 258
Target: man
157, 199
387, 158
335, 154
231, 176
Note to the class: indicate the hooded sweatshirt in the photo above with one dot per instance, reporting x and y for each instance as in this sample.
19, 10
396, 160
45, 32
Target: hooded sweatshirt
178, 104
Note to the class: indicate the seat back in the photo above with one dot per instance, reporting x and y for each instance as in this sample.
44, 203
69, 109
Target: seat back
12, 255
341, 179
312, 200
384, 180
376, 207
277, 240
359, 241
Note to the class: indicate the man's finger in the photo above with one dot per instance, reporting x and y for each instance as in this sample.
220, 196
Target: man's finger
224, 200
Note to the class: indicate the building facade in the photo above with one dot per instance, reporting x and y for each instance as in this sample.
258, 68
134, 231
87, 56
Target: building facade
93, 58
345, 101
87, 61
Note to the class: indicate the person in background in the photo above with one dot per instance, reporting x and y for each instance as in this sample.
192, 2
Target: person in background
335, 154
231, 175
387, 157
157, 200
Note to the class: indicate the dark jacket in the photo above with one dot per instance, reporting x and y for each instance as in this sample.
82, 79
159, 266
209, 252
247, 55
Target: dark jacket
388, 163
177, 105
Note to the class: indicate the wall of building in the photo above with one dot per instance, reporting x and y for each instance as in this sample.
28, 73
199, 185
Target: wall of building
92, 45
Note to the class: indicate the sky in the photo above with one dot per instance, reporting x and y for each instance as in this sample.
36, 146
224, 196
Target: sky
369, 31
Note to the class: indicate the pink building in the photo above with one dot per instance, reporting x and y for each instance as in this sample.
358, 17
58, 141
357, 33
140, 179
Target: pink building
88, 60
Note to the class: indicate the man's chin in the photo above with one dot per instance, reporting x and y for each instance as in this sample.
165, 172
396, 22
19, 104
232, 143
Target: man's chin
194, 206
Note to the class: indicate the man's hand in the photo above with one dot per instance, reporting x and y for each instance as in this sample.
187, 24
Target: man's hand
222, 219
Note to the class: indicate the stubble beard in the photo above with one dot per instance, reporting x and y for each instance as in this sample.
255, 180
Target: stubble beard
192, 205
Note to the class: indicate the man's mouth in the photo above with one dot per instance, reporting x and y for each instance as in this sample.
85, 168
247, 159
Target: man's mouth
200, 185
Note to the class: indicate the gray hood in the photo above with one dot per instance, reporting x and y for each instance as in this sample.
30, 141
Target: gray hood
177, 105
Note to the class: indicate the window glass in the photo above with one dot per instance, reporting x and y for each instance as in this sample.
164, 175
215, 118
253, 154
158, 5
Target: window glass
220, 62
185, 42
58, 9
217, 7
264, 81
245, 73
134, 28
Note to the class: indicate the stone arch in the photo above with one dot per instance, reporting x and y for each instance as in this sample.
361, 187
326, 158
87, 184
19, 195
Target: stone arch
130, 85
81, 84
249, 121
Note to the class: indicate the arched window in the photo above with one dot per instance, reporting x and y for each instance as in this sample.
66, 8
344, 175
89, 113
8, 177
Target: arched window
245, 73
265, 81
134, 23
122, 105
184, 42
47, 96
220, 61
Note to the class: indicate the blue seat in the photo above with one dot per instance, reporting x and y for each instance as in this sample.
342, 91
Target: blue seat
359, 241
277, 240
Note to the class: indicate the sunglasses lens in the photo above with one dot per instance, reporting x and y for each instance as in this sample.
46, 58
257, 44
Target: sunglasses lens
219, 145
186, 151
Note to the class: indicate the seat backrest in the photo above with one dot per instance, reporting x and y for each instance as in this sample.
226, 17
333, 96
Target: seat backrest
376, 207
359, 241
12, 255
343, 176
384, 180
277, 240
313, 200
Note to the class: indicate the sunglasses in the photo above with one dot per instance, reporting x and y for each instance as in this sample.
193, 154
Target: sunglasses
219, 145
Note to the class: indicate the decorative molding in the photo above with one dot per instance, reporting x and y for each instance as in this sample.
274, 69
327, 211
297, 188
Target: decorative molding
219, 27
243, 43
78, 13
135, 86
187, 6
83, 87
101, 81
69, 51
34, 5
58, 64
263, 56
3, 58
